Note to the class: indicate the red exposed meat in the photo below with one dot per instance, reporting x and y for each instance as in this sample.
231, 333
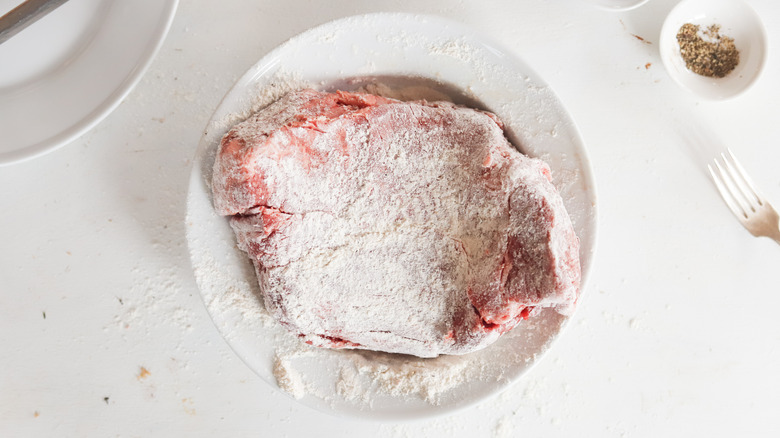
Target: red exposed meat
407, 227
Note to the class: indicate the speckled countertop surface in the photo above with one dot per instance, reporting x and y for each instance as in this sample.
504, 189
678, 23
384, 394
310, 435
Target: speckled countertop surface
104, 332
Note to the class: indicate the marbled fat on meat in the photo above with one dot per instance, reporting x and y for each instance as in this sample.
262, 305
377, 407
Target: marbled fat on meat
406, 227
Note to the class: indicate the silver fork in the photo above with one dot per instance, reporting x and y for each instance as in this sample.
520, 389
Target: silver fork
748, 204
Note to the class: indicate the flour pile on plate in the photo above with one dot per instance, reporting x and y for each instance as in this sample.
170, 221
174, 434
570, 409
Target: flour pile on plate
405, 227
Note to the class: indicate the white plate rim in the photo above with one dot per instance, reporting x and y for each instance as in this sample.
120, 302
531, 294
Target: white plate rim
130, 78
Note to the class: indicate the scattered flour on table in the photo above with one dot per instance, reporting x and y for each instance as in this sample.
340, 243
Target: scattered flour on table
504, 427
153, 293
288, 379
404, 376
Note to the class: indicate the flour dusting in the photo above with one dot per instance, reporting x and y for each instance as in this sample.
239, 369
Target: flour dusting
394, 226
404, 377
288, 378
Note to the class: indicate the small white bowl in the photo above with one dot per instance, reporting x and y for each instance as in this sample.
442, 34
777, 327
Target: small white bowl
618, 5
737, 20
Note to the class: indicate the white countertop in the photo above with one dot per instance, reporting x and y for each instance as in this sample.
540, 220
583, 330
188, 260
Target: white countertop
104, 332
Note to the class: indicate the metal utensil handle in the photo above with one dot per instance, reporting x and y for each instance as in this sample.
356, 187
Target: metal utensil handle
24, 15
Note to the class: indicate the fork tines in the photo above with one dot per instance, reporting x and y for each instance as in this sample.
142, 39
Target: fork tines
745, 201
735, 186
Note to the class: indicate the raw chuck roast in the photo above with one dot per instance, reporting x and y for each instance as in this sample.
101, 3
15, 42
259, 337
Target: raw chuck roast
405, 227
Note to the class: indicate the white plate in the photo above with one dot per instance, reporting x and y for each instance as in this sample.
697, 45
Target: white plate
392, 46
69, 70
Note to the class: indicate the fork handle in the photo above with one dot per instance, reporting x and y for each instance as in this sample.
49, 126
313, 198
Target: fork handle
774, 232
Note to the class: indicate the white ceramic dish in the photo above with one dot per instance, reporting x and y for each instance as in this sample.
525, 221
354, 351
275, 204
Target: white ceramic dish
393, 46
66, 72
737, 20
618, 5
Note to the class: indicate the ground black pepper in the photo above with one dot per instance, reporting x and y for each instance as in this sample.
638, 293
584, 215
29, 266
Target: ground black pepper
707, 53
